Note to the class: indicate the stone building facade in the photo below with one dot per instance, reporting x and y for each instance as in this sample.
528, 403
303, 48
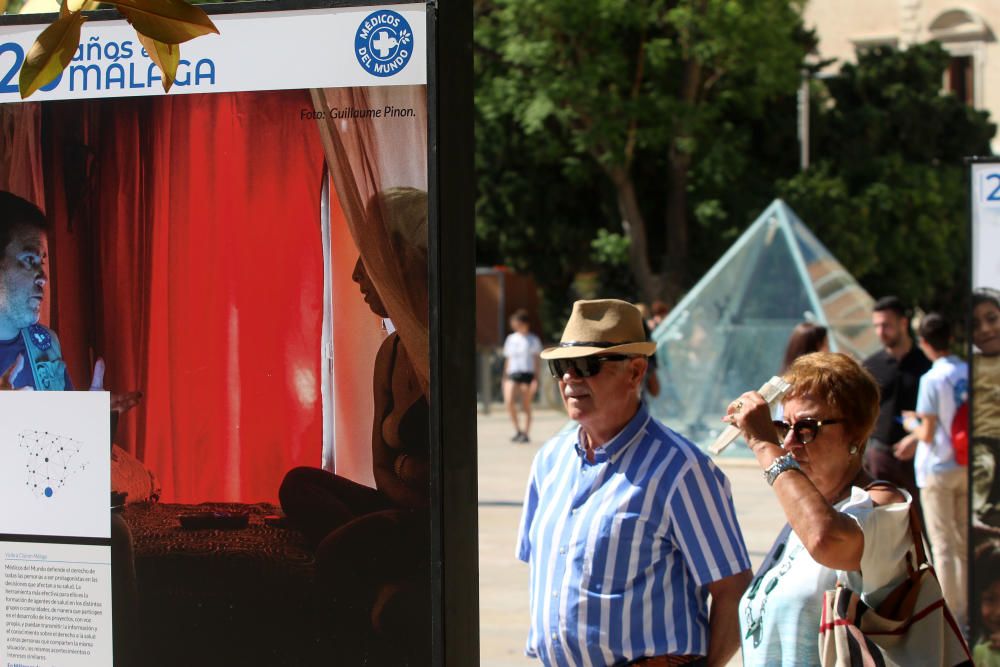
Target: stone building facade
965, 28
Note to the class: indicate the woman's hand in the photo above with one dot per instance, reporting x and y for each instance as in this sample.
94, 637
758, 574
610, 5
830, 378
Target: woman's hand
752, 415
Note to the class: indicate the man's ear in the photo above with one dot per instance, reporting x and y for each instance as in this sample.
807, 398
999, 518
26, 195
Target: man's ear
638, 367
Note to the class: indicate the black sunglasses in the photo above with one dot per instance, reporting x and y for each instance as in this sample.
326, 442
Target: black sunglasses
584, 367
805, 430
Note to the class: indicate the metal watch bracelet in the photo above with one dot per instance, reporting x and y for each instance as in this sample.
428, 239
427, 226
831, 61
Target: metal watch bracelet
778, 466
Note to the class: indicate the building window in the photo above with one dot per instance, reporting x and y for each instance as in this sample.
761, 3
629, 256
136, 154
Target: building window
964, 35
870, 43
960, 79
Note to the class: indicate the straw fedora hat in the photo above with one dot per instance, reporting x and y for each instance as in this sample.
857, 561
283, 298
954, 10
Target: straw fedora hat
602, 326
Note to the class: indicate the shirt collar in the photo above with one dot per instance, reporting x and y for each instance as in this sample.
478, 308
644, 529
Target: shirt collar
618, 444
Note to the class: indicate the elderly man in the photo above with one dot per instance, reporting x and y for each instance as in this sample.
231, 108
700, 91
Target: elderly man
627, 526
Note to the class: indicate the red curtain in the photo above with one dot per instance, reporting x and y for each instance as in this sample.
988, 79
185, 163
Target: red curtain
21, 166
192, 262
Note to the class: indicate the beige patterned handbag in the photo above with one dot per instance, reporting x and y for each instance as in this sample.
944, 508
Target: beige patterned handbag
913, 626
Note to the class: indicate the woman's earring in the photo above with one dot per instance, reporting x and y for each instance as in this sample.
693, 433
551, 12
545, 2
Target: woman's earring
853, 450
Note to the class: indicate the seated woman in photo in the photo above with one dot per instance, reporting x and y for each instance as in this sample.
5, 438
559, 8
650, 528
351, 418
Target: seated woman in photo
373, 544
318, 502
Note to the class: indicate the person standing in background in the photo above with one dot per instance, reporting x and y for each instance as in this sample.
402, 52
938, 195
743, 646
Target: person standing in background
897, 369
660, 312
943, 481
651, 385
806, 337
520, 372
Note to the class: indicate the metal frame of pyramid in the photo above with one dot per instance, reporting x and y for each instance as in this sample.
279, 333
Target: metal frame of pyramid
728, 334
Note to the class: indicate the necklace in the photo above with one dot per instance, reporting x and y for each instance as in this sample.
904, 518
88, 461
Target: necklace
755, 626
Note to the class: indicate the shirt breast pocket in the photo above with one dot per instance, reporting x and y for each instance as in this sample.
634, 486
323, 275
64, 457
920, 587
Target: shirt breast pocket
622, 545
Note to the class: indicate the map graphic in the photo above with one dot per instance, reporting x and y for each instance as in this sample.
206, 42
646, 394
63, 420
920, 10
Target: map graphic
52, 460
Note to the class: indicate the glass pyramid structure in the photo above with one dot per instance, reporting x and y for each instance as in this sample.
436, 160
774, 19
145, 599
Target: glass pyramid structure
729, 333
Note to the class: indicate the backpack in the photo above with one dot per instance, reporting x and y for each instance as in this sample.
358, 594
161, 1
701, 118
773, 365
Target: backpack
960, 424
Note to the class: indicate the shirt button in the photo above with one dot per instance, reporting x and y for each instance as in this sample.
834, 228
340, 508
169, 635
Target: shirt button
555, 594
562, 550
555, 636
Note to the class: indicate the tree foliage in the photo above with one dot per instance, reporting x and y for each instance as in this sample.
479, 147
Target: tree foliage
536, 210
888, 192
636, 93
580, 108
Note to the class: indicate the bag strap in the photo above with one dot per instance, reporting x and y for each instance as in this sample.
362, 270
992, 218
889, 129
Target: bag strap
916, 528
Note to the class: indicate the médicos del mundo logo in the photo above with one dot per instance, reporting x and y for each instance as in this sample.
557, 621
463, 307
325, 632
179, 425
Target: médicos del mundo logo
383, 43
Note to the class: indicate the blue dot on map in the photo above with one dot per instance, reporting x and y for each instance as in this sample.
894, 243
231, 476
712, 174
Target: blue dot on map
48, 491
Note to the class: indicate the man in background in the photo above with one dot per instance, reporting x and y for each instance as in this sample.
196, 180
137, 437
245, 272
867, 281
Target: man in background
30, 355
24, 342
897, 369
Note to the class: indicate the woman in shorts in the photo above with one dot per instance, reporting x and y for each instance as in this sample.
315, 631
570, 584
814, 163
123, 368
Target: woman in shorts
520, 372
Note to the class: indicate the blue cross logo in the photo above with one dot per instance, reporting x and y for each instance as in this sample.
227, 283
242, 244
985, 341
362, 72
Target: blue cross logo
384, 43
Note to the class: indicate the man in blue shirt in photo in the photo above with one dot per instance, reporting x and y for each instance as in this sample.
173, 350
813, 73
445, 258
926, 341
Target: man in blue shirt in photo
31, 360
24, 342
628, 527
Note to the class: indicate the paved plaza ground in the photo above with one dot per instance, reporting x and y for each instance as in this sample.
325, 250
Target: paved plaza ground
503, 580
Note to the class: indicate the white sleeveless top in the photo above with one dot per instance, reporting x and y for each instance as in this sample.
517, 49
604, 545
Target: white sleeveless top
780, 611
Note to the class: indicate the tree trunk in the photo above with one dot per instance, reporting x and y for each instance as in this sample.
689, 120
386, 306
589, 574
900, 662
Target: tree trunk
674, 273
634, 226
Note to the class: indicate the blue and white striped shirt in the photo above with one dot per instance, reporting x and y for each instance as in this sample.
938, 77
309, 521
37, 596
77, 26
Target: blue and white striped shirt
621, 549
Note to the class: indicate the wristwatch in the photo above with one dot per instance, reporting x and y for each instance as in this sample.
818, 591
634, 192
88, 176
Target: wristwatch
780, 465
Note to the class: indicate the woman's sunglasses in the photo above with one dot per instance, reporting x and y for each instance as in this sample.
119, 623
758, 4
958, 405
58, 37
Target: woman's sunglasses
584, 367
805, 430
